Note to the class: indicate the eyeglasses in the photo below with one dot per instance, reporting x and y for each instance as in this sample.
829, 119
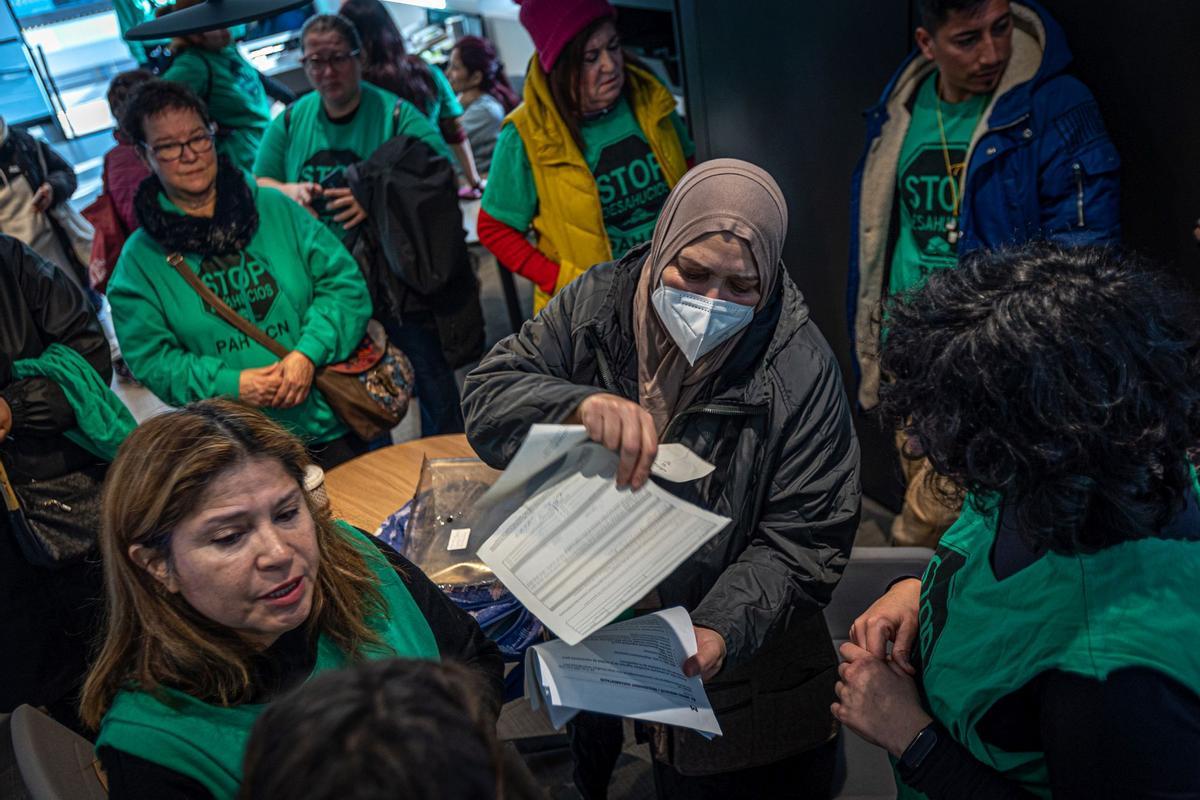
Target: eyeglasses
336, 61
173, 151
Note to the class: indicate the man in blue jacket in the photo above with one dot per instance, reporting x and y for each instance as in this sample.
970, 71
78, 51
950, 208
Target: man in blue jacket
980, 140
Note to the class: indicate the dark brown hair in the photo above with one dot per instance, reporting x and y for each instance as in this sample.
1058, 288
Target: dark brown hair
122, 86
479, 55
160, 477
390, 728
564, 80
153, 97
388, 64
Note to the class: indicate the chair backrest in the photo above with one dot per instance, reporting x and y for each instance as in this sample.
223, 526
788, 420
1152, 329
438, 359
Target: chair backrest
55, 762
866, 578
12, 786
864, 772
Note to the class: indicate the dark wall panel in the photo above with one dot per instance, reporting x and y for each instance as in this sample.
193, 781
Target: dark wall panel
784, 85
1141, 62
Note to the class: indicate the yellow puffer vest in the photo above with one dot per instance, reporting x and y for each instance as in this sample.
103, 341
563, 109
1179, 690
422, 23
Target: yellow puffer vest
569, 225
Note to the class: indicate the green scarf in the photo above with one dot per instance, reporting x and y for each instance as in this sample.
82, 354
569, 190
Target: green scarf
103, 420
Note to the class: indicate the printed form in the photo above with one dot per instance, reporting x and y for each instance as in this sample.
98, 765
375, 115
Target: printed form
629, 669
578, 551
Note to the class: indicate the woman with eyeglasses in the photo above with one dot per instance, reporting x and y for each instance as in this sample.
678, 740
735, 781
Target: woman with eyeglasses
259, 252
306, 152
587, 160
307, 148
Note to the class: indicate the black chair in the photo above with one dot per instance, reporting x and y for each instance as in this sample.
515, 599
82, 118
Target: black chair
865, 773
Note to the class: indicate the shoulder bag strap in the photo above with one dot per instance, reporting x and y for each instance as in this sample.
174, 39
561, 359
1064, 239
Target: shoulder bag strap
11, 503
228, 314
396, 116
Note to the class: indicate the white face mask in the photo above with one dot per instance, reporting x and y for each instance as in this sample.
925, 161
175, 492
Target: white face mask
697, 323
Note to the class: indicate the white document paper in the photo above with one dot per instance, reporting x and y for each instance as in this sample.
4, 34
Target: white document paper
544, 444
628, 669
579, 551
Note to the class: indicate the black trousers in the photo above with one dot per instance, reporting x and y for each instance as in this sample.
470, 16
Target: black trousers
807, 776
596, 741
49, 620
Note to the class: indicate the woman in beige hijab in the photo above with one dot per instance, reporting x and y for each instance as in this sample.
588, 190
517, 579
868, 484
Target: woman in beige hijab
702, 338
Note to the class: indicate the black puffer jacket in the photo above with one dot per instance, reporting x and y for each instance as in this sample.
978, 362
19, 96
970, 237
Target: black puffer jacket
38, 306
413, 249
777, 425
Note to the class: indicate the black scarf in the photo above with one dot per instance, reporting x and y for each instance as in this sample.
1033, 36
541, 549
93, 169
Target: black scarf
229, 231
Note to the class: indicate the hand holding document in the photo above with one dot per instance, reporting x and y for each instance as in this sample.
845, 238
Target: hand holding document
629, 669
575, 549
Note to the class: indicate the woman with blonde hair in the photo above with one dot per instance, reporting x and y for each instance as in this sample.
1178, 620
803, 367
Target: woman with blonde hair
227, 585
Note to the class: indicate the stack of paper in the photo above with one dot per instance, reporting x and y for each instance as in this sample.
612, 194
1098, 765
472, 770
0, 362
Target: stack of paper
630, 669
575, 549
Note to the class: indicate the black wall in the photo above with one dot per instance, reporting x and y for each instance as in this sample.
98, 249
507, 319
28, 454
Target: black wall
1142, 63
783, 84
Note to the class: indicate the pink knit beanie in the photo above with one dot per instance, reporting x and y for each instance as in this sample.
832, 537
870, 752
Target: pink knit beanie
552, 24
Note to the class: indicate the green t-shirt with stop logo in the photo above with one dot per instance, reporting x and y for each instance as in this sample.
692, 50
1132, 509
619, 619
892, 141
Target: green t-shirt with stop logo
304, 144
629, 181
924, 188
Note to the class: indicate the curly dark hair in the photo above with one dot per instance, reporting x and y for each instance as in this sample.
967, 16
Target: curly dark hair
1064, 383
153, 97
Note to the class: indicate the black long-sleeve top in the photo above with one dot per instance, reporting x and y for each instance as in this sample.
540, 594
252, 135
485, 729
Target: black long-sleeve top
289, 661
1134, 735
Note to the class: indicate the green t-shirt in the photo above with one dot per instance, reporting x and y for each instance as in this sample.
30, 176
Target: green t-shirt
982, 639
233, 91
924, 189
444, 104
131, 13
312, 147
206, 742
294, 280
631, 184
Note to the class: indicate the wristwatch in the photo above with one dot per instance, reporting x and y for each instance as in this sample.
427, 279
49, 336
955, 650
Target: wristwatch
920, 747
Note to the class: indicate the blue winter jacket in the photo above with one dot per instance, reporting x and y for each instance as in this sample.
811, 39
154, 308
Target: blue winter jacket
1041, 166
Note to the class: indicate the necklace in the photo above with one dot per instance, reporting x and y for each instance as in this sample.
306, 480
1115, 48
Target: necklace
957, 183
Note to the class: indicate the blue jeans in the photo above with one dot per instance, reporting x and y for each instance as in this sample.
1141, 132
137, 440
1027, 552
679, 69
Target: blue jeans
437, 391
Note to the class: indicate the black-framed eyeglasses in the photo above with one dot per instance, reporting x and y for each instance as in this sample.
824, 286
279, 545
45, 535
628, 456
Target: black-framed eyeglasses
173, 151
335, 61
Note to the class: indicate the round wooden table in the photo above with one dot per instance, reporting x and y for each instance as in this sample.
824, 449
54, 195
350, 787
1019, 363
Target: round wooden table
365, 490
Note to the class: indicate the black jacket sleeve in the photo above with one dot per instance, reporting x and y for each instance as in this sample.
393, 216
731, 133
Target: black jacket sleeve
134, 778
458, 636
525, 379
1102, 739
61, 313
59, 174
802, 542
